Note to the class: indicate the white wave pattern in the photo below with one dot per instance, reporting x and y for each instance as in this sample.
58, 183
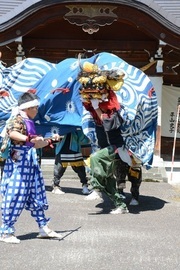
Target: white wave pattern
25, 74
19, 78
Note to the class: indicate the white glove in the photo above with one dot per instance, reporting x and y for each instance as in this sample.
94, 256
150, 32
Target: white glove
95, 103
124, 155
104, 97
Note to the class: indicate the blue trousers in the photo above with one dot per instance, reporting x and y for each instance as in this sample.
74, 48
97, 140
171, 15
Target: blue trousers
22, 187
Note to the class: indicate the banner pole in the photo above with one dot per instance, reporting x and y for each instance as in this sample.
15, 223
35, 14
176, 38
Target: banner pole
174, 144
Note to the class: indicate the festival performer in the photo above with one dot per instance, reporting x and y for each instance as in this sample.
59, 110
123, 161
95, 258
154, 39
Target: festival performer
102, 85
22, 185
68, 153
101, 101
133, 175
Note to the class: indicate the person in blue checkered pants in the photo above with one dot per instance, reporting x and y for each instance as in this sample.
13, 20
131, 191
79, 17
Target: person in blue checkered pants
22, 185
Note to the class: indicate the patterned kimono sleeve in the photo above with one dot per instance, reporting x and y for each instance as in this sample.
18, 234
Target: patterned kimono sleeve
17, 124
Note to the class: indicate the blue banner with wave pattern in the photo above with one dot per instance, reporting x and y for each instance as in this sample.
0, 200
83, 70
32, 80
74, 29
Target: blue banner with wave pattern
61, 109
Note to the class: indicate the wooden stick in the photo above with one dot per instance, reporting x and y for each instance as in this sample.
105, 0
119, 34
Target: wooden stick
174, 145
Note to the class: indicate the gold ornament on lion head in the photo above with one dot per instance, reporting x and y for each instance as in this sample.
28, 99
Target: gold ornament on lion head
95, 83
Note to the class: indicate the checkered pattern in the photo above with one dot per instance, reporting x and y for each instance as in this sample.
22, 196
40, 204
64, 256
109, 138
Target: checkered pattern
22, 187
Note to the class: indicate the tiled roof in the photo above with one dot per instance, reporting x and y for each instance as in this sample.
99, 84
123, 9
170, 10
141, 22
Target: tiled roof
169, 9
11, 8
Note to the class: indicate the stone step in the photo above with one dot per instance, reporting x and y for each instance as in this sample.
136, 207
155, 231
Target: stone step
173, 172
156, 173
161, 171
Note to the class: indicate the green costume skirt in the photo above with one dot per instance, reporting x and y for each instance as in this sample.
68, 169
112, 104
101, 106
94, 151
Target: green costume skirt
103, 164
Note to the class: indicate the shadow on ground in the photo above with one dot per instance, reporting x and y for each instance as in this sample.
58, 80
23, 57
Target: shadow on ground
147, 203
30, 236
71, 190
